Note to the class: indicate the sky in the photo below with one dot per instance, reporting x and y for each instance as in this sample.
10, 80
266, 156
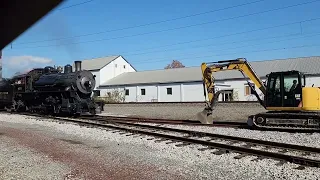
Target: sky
150, 34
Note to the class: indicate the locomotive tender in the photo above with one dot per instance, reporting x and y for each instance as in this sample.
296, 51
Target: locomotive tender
51, 91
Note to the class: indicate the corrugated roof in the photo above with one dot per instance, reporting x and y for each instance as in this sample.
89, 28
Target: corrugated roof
96, 63
309, 65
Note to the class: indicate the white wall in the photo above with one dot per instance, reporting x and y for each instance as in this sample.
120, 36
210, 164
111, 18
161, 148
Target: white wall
132, 97
193, 92
150, 93
313, 80
176, 96
181, 92
115, 68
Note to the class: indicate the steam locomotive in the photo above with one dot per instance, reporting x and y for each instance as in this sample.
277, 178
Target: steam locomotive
49, 90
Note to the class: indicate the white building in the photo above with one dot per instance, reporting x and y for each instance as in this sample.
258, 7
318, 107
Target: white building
185, 84
106, 68
167, 85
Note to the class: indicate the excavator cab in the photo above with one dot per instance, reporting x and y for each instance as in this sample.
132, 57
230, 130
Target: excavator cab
284, 89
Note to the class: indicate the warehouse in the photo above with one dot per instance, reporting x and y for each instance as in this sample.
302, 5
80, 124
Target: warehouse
184, 84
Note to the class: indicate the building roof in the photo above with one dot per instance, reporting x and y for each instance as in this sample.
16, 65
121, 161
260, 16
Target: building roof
308, 65
96, 63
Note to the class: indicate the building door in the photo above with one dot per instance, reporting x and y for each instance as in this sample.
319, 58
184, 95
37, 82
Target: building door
227, 95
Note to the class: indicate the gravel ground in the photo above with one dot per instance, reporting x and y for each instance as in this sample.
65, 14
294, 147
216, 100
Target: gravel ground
18, 162
224, 111
88, 152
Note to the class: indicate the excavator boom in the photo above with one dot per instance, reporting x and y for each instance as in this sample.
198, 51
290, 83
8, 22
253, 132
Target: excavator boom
210, 93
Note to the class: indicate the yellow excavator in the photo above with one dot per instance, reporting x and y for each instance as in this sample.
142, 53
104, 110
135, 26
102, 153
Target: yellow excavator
288, 102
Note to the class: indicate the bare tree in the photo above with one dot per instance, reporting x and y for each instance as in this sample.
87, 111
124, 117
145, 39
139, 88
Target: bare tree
175, 64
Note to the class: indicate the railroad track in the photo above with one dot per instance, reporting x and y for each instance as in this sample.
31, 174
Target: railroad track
232, 124
166, 121
217, 143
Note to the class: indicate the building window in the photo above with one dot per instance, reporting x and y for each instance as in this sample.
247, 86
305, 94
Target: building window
127, 92
143, 91
247, 91
169, 91
116, 65
124, 66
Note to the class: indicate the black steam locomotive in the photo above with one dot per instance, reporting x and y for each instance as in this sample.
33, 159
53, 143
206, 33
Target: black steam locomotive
49, 90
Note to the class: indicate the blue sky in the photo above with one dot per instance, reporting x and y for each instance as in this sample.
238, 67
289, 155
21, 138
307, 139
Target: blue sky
73, 33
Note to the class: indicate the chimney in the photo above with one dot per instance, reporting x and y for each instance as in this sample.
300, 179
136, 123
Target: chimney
77, 65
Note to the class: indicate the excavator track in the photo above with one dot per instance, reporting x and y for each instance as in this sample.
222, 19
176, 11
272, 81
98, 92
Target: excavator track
286, 120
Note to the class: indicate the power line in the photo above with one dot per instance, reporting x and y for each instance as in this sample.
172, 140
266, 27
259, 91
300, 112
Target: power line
238, 33
264, 50
306, 36
59, 9
210, 45
227, 35
148, 24
183, 27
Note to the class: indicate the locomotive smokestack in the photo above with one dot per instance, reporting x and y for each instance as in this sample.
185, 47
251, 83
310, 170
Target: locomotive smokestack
77, 65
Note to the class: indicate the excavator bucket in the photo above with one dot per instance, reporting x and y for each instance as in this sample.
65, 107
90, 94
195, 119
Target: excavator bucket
205, 117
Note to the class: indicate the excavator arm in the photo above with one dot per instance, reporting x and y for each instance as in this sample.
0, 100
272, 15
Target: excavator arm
211, 96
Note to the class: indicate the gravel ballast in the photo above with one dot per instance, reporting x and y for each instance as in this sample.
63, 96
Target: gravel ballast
238, 112
135, 157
